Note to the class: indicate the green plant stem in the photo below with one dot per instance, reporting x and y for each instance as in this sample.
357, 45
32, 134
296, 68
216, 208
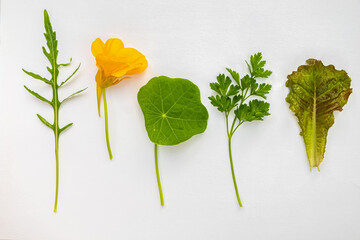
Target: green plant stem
158, 177
107, 125
233, 173
230, 134
56, 134
57, 172
56, 128
227, 123
232, 126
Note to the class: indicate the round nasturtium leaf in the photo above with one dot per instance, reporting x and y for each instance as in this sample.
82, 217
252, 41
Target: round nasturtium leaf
172, 110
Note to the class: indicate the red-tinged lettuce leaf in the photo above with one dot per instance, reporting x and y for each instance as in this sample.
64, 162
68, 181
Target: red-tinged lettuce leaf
316, 91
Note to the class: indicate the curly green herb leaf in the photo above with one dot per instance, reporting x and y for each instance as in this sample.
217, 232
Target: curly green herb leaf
173, 113
232, 97
316, 91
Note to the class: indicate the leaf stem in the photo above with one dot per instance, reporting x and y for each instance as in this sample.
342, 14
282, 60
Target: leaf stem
57, 172
232, 126
56, 134
233, 173
237, 127
56, 129
158, 177
107, 125
227, 124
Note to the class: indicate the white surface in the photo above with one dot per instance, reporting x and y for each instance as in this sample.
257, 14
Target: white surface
103, 199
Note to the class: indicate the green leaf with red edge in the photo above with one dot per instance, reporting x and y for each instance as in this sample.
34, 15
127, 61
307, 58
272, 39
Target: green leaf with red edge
316, 91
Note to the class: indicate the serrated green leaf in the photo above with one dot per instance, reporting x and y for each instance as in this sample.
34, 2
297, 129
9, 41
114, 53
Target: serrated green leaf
261, 73
246, 82
235, 100
253, 86
216, 87
262, 90
216, 102
256, 66
224, 82
172, 110
316, 91
223, 104
234, 75
256, 61
233, 90
255, 110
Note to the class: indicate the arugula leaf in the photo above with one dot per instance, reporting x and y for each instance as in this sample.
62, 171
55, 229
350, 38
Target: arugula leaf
173, 111
232, 97
51, 54
316, 91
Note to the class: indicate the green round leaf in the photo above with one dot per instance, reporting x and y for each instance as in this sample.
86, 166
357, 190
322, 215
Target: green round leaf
172, 110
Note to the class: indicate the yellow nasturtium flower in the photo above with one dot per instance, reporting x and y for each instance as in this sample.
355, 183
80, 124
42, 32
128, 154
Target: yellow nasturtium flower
115, 63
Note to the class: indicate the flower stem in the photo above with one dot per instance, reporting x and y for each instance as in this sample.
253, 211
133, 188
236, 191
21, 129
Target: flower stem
107, 125
158, 177
233, 173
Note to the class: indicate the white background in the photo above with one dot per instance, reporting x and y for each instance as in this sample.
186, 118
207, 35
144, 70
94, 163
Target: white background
103, 199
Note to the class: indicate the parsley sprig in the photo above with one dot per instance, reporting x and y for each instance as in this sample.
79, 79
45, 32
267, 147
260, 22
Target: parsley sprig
232, 96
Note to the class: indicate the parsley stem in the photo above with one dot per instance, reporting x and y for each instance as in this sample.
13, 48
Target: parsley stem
158, 177
233, 173
232, 127
107, 125
227, 124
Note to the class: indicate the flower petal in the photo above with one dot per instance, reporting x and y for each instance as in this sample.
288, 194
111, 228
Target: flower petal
111, 66
141, 65
113, 46
136, 62
98, 90
97, 47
